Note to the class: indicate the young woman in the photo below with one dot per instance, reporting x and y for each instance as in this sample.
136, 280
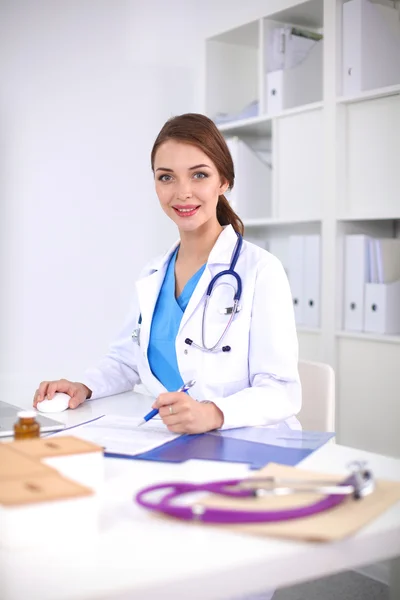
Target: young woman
239, 344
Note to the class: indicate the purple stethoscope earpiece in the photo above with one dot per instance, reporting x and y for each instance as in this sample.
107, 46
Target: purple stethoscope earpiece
359, 484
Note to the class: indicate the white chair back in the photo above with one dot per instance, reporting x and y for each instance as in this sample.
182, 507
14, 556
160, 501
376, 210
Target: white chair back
318, 390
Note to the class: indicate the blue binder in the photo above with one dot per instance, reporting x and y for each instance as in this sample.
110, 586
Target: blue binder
255, 446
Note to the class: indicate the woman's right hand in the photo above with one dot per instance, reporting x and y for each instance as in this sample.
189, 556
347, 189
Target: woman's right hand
77, 391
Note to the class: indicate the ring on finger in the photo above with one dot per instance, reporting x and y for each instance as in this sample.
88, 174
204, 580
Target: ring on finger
171, 409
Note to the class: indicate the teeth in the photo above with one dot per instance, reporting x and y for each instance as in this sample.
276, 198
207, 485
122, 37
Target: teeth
186, 209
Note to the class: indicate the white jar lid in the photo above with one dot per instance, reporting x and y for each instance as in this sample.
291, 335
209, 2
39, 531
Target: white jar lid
26, 414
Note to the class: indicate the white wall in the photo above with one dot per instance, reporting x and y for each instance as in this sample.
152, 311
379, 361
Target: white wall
85, 86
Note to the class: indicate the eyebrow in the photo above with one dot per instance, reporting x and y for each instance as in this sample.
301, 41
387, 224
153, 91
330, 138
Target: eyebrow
190, 168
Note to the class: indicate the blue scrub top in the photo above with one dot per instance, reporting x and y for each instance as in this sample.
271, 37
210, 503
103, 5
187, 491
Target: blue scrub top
165, 324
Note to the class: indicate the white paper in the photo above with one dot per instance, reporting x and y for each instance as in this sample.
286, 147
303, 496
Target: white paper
286, 49
121, 435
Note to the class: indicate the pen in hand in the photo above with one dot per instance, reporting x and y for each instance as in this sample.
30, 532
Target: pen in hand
185, 387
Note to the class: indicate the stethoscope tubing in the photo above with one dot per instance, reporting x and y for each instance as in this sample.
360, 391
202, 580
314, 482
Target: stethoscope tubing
228, 516
236, 299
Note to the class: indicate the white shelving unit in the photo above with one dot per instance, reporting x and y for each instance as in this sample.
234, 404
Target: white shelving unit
334, 163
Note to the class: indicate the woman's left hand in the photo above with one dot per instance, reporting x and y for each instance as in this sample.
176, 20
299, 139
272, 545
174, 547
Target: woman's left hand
181, 414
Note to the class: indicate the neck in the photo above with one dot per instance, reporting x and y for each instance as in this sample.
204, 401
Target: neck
197, 245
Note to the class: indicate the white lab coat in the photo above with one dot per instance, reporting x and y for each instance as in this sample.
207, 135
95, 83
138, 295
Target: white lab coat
257, 382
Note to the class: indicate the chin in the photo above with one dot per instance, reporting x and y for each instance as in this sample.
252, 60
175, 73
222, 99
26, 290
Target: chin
187, 223
194, 225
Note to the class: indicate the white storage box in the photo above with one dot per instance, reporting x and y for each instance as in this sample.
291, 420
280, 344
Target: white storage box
296, 86
72, 457
46, 508
371, 46
17, 466
382, 308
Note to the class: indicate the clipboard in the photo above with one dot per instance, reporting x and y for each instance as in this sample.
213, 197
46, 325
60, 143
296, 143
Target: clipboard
255, 446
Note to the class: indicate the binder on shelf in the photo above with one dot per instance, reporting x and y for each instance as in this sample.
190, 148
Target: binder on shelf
251, 194
312, 276
296, 262
372, 266
371, 46
382, 308
278, 246
356, 275
386, 260
298, 85
275, 92
288, 46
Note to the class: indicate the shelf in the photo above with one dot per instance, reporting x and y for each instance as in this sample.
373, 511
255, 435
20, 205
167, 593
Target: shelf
297, 110
278, 222
304, 329
262, 126
254, 126
391, 90
303, 14
366, 218
369, 337
334, 157
244, 35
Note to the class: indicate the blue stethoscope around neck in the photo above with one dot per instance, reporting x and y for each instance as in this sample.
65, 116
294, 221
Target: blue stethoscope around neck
231, 310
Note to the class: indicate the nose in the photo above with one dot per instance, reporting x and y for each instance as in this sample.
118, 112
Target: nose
184, 191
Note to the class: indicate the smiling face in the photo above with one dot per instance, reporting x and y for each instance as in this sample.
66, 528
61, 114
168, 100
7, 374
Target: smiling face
187, 185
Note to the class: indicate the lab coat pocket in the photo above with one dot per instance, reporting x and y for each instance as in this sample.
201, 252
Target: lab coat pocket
229, 362
218, 313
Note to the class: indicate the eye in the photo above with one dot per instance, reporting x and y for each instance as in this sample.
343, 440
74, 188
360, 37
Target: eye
165, 178
200, 175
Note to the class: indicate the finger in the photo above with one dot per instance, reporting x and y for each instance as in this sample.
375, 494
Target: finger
77, 398
41, 391
61, 385
173, 420
52, 388
165, 411
168, 398
35, 398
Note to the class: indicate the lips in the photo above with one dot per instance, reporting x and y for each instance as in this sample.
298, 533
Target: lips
186, 211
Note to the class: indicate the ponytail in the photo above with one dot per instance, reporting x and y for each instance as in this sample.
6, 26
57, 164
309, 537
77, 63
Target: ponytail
227, 216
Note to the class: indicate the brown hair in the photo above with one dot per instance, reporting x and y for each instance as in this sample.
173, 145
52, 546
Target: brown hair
200, 131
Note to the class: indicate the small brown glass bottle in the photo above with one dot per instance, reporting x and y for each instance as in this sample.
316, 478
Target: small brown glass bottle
26, 427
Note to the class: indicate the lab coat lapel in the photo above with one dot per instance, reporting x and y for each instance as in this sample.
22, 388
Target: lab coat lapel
197, 296
148, 289
219, 259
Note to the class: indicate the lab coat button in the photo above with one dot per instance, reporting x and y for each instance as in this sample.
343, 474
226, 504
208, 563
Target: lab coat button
185, 351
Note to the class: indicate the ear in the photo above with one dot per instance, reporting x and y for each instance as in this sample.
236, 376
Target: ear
223, 187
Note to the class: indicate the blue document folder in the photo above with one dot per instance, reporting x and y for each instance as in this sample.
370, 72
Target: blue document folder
255, 446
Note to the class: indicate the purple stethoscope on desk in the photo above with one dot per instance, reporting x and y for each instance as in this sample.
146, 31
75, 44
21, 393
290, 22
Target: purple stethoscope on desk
231, 310
359, 484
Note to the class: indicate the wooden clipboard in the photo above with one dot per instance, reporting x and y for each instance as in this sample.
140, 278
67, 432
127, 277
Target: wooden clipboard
334, 524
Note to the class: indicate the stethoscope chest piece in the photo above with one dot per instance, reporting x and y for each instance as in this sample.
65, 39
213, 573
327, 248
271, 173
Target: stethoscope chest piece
136, 336
136, 332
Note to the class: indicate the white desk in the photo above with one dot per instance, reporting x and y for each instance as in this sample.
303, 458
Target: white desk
137, 555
